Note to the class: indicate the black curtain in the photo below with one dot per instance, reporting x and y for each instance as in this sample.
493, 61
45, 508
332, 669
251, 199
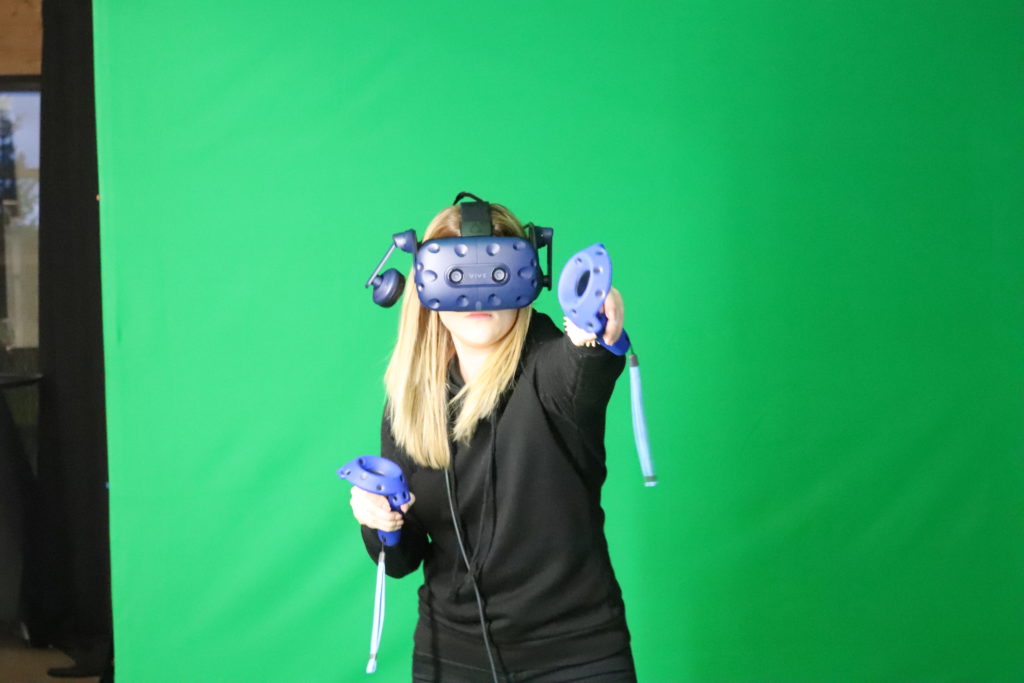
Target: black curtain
67, 591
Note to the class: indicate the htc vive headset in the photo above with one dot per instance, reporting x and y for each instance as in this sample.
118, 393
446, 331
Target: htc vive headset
477, 271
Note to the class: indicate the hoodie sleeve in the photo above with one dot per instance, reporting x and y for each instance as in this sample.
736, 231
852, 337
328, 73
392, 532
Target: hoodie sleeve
575, 382
405, 557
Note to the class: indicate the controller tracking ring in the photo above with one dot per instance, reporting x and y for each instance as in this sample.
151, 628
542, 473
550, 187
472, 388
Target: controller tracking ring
583, 286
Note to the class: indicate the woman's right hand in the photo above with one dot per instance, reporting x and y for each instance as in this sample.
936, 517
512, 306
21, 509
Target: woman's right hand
374, 511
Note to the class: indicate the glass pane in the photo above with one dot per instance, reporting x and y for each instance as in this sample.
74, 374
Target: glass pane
19, 193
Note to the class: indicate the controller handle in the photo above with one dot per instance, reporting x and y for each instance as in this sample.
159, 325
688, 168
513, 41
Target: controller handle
383, 477
582, 289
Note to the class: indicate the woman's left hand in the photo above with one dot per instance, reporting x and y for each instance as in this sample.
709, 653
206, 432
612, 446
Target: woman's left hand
613, 310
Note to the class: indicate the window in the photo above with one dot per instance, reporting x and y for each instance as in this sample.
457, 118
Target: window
19, 213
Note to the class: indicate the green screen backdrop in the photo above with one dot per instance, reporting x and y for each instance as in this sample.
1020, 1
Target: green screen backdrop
815, 211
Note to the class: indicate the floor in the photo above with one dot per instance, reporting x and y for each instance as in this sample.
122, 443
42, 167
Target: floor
21, 664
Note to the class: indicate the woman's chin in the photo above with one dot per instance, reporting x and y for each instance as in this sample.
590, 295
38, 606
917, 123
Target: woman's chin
480, 342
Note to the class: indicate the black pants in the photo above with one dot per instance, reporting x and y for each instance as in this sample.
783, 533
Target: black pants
617, 668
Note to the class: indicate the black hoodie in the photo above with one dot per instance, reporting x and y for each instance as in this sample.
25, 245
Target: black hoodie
527, 490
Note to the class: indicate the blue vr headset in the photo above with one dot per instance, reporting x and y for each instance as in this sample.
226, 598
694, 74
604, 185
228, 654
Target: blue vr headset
477, 271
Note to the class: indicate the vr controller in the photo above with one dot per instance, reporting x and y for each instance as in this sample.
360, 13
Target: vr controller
582, 288
379, 475
477, 271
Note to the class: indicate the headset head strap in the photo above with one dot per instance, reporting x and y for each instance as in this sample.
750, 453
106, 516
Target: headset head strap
476, 216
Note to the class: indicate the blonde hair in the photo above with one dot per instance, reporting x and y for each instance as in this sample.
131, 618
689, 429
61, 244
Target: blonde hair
416, 379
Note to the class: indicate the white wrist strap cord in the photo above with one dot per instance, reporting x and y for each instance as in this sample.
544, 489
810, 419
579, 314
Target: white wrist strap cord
378, 615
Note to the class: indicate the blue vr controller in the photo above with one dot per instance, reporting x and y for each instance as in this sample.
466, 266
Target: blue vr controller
582, 288
381, 476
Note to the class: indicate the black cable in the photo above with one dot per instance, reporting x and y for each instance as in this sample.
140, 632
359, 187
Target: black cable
472, 577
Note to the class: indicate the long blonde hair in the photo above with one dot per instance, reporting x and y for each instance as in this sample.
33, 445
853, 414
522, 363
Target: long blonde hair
416, 379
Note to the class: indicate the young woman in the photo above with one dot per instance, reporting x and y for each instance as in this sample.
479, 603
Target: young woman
497, 420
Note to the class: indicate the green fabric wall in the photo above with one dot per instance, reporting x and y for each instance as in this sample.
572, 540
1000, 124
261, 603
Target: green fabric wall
815, 211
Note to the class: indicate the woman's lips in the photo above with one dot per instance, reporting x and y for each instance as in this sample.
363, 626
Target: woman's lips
479, 315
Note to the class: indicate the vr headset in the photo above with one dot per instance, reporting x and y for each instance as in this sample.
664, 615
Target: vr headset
477, 271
